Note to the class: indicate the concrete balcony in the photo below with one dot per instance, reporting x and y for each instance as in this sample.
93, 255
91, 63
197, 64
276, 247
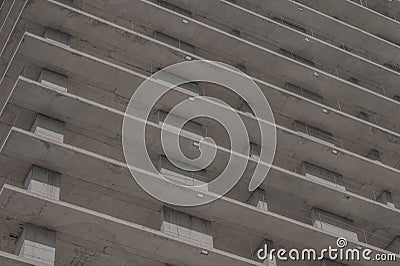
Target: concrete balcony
319, 192
361, 96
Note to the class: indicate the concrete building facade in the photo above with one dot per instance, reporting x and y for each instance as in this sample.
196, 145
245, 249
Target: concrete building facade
329, 68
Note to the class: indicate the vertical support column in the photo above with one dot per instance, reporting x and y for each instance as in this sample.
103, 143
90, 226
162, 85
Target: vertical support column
187, 227
258, 199
37, 244
43, 182
386, 198
263, 253
48, 128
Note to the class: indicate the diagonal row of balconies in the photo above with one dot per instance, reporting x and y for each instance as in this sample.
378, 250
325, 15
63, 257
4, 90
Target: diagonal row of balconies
356, 13
390, 9
303, 72
339, 129
53, 109
279, 35
380, 119
30, 42
73, 161
331, 127
100, 170
67, 218
329, 27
